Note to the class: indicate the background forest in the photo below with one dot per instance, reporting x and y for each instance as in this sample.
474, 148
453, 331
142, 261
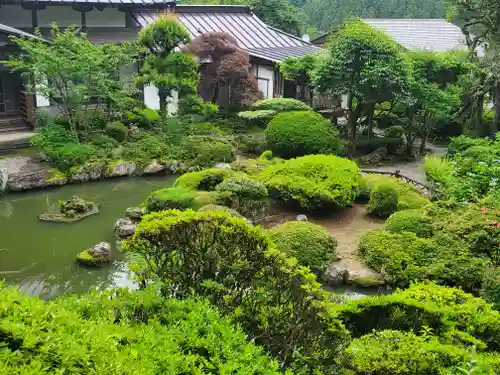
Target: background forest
317, 16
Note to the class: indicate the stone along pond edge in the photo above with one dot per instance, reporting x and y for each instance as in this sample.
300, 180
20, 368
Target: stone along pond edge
37, 175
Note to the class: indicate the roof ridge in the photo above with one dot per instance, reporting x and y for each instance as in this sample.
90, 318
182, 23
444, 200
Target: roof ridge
288, 34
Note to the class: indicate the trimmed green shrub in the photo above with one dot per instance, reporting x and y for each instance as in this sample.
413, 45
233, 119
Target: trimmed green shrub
206, 179
392, 352
179, 198
415, 221
403, 258
206, 151
292, 134
122, 332
461, 143
236, 267
383, 199
395, 131
70, 154
259, 118
448, 313
409, 197
117, 130
281, 105
215, 207
310, 243
366, 145
314, 181
250, 144
243, 194
438, 170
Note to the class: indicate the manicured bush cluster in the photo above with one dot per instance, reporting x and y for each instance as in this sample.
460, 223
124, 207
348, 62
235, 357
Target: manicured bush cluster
206, 179
292, 134
416, 221
249, 144
179, 198
236, 267
117, 130
409, 197
122, 332
281, 105
247, 196
258, 118
310, 243
383, 199
314, 181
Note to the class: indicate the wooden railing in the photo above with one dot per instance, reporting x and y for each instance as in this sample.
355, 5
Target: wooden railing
427, 190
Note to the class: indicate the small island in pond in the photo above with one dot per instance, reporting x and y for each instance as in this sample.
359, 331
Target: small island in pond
72, 210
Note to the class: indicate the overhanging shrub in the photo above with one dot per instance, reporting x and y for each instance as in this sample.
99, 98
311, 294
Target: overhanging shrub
117, 131
313, 181
281, 105
383, 199
206, 151
292, 134
179, 198
310, 243
121, 332
235, 266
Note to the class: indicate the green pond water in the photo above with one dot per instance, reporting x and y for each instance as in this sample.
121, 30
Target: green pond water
40, 256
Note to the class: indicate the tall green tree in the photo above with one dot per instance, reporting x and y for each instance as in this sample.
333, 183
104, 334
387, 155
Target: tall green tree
164, 65
364, 64
299, 70
480, 23
75, 74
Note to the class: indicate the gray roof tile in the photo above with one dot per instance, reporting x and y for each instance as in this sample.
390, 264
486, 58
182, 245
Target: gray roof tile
435, 35
252, 34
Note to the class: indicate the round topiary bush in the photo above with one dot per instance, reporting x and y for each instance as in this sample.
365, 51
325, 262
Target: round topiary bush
247, 196
383, 200
281, 105
206, 179
292, 134
179, 198
258, 118
415, 221
310, 243
117, 130
314, 181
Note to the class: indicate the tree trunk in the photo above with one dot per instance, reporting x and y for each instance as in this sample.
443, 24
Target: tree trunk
494, 126
351, 127
409, 133
423, 143
215, 95
163, 101
371, 112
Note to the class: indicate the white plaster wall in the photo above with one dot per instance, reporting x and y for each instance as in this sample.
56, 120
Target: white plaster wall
152, 99
63, 16
108, 17
15, 16
266, 73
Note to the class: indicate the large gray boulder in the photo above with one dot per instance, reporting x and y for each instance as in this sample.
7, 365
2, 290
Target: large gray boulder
4, 178
154, 167
96, 255
135, 213
87, 172
120, 168
124, 228
34, 177
336, 274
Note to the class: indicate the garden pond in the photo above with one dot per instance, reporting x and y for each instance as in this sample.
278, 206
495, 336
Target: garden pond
40, 256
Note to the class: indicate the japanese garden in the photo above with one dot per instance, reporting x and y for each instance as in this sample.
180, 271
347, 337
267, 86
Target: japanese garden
351, 228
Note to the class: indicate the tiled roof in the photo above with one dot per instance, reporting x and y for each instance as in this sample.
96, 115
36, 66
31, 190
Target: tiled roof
153, 3
252, 34
435, 35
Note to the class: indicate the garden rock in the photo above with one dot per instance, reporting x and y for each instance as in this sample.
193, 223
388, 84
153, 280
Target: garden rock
301, 217
88, 172
135, 213
35, 176
120, 168
154, 167
376, 156
175, 167
4, 177
96, 255
133, 131
224, 166
124, 228
336, 274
